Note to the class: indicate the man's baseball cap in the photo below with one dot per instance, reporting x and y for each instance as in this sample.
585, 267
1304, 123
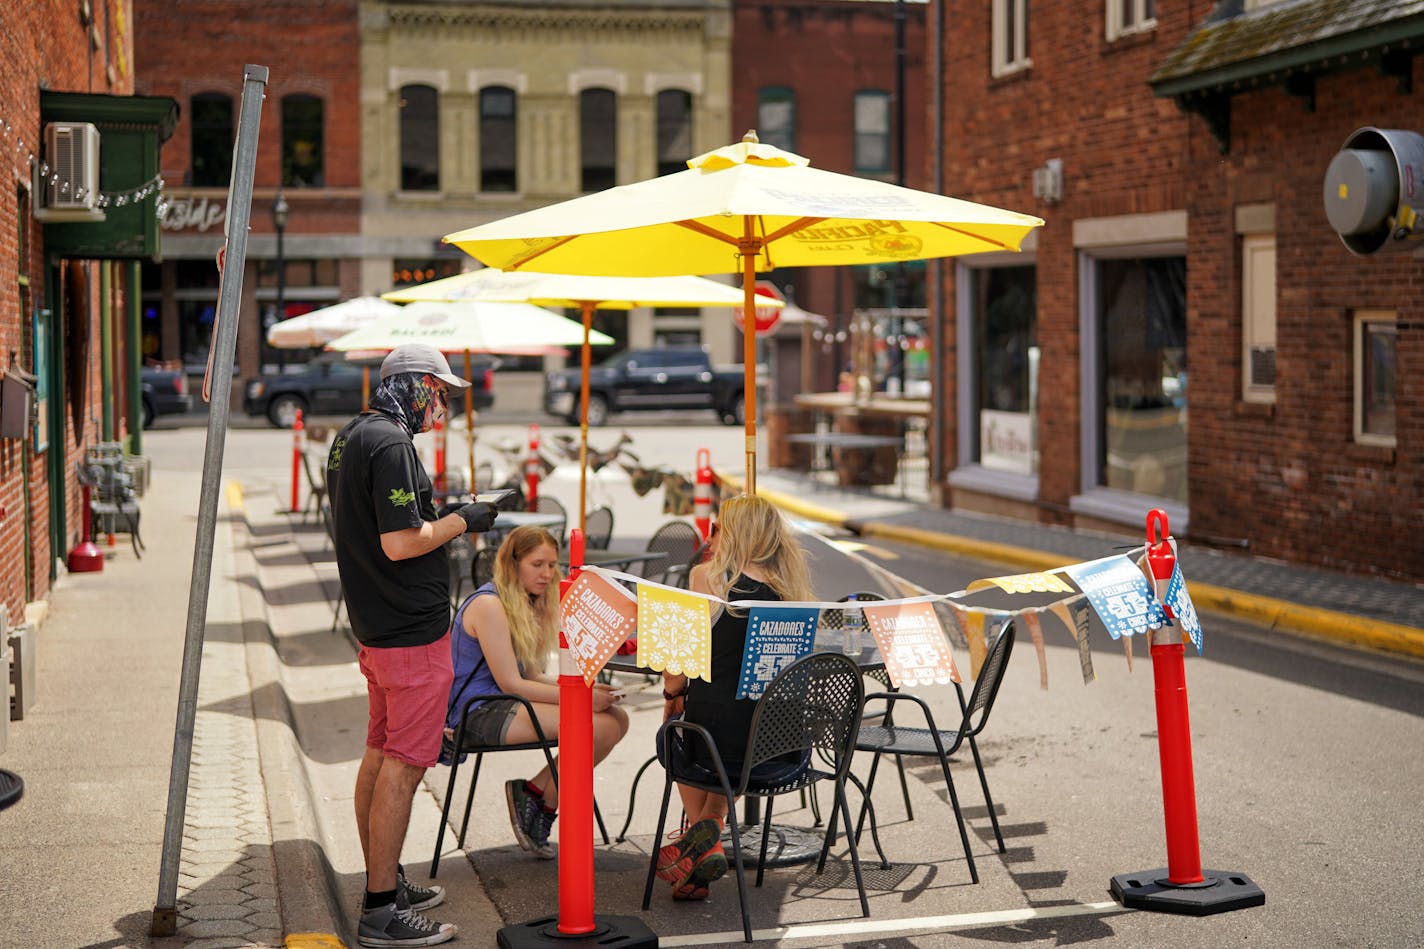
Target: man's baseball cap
422, 358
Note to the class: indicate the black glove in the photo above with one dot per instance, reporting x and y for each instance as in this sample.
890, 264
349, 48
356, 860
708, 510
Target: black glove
478, 516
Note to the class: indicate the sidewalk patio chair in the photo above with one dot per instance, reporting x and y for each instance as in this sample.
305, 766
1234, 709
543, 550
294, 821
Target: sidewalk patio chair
482, 566
460, 555
340, 597
933, 742
316, 483
681, 542
803, 730
460, 746
598, 528
544, 504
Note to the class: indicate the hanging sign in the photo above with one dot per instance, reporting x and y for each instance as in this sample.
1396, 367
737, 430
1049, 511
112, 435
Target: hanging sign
1119, 594
776, 637
1184, 612
674, 631
1076, 614
597, 617
912, 642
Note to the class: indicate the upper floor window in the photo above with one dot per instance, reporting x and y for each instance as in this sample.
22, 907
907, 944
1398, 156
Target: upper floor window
1376, 376
1258, 317
776, 117
872, 131
419, 138
674, 130
212, 139
1010, 39
302, 142
598, 139
1126, 17
499, 110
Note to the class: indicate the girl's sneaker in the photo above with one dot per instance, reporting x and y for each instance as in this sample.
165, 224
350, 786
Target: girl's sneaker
677, 860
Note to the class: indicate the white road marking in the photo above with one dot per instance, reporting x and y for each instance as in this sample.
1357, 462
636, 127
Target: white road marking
867, 927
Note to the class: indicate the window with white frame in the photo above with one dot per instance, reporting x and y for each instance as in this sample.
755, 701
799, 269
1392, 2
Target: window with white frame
872, 131
1376, 363
1126, 17
1258, 317
1010, 37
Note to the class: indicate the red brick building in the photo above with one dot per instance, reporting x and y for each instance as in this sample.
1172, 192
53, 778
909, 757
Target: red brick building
1186, 331
72, 231
309, 151
818, 77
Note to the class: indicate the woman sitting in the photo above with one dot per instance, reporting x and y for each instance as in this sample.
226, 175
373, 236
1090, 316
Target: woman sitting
510, 625
754, 557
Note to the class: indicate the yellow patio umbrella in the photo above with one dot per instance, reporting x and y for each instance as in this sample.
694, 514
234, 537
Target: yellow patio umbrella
588, 293
740, 209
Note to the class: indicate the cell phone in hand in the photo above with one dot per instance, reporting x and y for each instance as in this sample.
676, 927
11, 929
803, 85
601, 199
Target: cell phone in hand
495, 499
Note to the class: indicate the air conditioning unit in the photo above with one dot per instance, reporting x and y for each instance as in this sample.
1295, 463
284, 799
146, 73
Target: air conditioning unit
70, 192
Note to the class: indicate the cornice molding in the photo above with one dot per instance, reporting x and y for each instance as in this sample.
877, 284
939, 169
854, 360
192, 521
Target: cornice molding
442, 19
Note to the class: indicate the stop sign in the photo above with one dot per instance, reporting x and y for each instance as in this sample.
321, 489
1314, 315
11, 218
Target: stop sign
766, 317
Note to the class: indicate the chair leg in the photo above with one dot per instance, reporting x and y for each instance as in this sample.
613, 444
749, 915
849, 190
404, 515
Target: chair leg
959, 819
597, 815
904, 787
874, 829
984, 783
622, 834
854, 856
737, 863
657, 841
444, 815
470, 800
830, 837
765, 839
865, 803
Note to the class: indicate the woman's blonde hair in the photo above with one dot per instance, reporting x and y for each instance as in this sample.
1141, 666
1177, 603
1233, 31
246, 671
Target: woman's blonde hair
751, 531
533, 621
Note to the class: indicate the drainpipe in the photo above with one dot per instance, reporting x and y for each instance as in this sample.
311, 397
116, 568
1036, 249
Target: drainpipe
106, 351
937, 394
135, 356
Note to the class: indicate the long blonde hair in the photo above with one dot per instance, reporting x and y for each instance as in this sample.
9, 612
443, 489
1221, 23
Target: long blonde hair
750, 531
533, 621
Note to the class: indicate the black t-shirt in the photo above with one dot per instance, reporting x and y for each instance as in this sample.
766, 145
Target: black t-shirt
714, 705
377, 485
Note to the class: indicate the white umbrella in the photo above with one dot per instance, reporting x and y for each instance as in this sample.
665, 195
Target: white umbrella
320, 327
506, 328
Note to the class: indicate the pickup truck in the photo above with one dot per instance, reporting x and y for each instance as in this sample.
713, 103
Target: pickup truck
165, 392
648, 379
330, 385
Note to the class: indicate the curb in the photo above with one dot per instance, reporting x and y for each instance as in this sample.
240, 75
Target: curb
1279, 615
310, 913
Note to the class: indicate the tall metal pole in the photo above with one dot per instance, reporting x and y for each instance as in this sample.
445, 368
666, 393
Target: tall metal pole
224, 345
279, 219
897, 283
938, 321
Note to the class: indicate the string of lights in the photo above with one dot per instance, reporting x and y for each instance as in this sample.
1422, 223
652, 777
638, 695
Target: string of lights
102, 199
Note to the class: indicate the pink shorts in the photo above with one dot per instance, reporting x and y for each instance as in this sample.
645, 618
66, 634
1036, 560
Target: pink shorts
408, 689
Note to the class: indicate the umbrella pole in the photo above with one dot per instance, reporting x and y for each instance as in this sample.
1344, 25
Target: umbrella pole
587, 307
470, 422
365, 388
750, 246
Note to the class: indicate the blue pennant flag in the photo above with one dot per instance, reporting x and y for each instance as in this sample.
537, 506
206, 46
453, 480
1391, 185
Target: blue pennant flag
1183, 611
1119, 594
776, 637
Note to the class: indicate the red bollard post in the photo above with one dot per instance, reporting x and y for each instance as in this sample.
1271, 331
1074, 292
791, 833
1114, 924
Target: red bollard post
702, 494
439, 456
298, 440
577, 926
531, 469
1182, 886
86, 557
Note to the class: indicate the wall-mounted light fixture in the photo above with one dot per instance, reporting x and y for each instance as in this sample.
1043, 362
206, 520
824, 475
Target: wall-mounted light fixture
1048, 181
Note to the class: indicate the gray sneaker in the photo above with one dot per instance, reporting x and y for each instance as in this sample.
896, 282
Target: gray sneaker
420, 897
396, 924
531, 823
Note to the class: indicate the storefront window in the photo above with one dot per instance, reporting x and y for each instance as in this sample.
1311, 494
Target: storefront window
1005, 360
1143, 344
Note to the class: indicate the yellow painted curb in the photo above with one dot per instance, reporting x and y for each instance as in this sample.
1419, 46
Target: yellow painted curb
235, 499
314, 941
1262, 610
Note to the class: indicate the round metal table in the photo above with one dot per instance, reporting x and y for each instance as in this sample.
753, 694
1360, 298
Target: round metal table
11, 788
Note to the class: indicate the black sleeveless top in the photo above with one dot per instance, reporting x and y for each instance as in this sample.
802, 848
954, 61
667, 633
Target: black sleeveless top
714, 705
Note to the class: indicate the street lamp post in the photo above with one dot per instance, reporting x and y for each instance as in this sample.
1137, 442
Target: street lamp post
280, 211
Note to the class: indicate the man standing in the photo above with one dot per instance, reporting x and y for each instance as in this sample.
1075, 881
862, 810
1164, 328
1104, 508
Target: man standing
390, 550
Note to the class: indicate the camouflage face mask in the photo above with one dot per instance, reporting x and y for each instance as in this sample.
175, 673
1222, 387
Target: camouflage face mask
413, 400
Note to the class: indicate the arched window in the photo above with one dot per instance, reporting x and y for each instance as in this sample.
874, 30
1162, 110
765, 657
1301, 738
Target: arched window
499, 112
674, 130
302, 138
872, 131
420, 138
776, 117
212, 139
598, 139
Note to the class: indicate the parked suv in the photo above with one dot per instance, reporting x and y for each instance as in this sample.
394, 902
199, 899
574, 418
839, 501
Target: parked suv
331, 385
165, 392
648, 379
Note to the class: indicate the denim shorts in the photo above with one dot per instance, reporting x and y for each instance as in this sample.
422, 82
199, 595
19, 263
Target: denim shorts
488, 722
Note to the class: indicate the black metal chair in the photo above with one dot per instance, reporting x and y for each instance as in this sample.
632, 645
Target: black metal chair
811, 710
459, 746
316, 484
482, 566
460, 556
544, 504
933, 742
598, 528
681, 542
340, 587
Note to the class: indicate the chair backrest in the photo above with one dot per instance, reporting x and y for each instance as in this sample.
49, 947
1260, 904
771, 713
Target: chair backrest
986, 687
812, 705
482, 566
544, 504
598, 527
680, 541
317, 483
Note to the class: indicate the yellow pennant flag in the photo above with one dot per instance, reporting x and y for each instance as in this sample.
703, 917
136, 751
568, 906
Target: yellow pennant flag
1035, 632
974, 632
674, 632
1024, 583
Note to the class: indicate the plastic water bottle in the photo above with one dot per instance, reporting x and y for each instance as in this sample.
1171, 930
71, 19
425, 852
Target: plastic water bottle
854, 625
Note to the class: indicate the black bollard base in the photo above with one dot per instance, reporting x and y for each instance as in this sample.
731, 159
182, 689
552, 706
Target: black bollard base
1220, 892
614, 932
